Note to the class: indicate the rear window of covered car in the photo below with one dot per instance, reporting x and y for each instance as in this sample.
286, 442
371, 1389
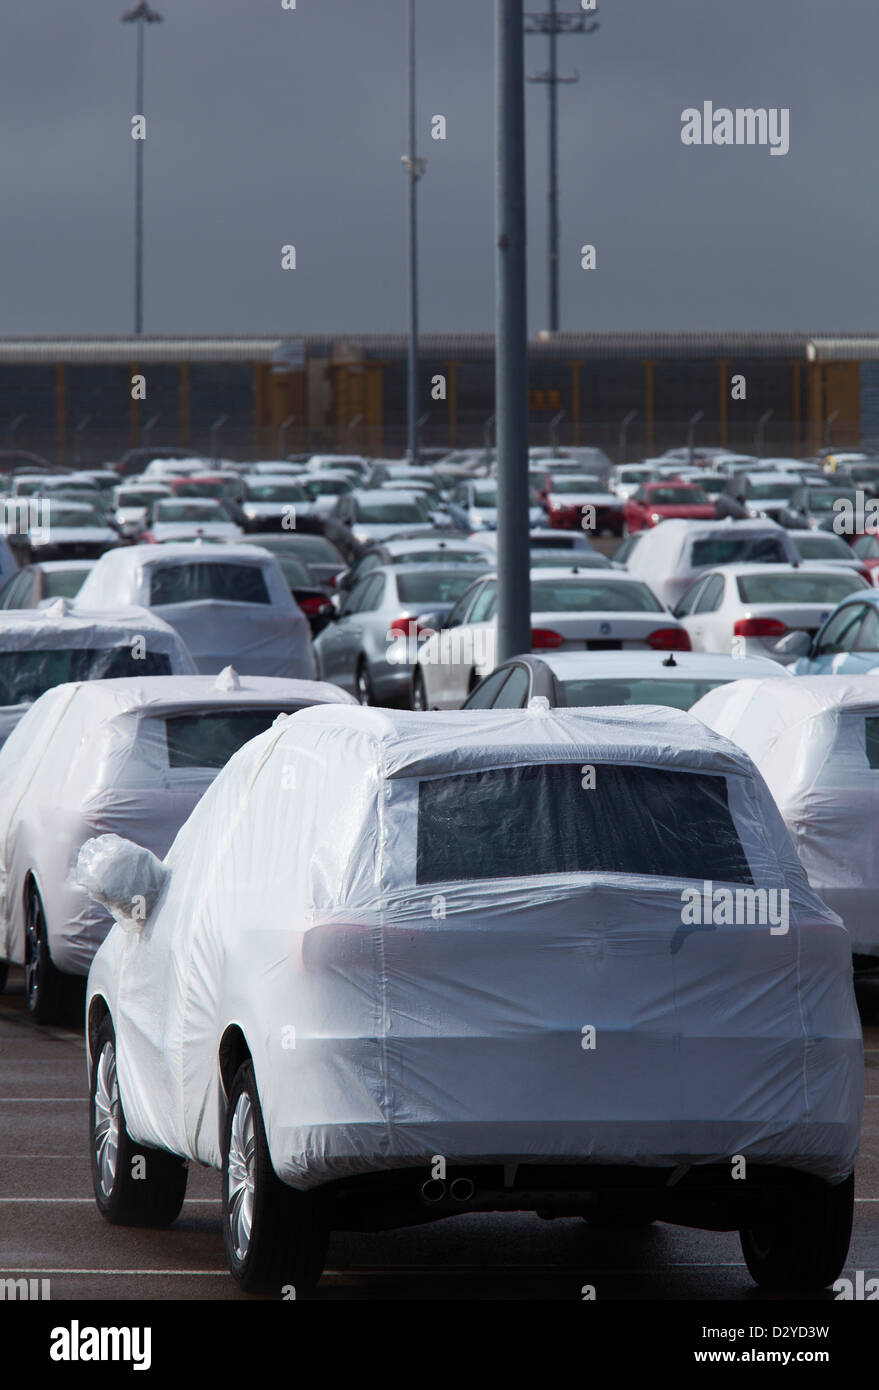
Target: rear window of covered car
516, 822
228, 583
26, 675
208, 738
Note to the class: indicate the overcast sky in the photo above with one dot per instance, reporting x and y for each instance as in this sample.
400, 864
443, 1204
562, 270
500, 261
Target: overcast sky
267, 126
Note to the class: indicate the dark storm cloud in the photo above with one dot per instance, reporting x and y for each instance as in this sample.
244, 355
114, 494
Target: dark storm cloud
268, 126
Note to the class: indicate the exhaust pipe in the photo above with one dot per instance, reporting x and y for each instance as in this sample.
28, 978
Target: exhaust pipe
433, 1190
462, 1189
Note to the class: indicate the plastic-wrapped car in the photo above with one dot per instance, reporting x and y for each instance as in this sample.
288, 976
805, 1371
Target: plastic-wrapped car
815, 739
44, 647
230, 604
399, 966
130, 756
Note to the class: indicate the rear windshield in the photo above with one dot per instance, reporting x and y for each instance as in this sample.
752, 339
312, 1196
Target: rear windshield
440, 557
275, 492
823, 546
591, 596
829, 499
314, 550
523, 821
766, 491
25, 676
206, 580
677, 694
670, 496
738, 550
575, 485
64, 583
589, 559
59, 515
797, 588
209, 739
430, 587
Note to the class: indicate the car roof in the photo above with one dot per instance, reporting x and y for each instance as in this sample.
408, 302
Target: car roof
805, 567
134, 556
154, 694
61, 619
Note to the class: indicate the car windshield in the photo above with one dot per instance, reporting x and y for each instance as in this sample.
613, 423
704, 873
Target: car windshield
390, 513
798, 587
132, 498
429, 586
759, 492
513, 821
26, 675
737, 550
328, 487
64, 583
677, 694
828, 499
276, 492
823, 546
208, 739
294, 571
73, 517
188, 511
564, 595
574, 485
485, 497
671, 496
227, 583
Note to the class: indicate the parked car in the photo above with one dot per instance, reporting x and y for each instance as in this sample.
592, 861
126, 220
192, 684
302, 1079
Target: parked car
185, 519
100, 757
362, 517
604, 611
815, 507
749, 610
320, 557
626, 478
67, 530
573, 679
135, 461
472, 506
830, 549
656, 502
865, 547
44, 647
230, 604
313, 600
38, 584
671, 556
815, 741
846, 643
369, 647
763, 495
271, 502
130, 508
579, 501
445, 956
426, 550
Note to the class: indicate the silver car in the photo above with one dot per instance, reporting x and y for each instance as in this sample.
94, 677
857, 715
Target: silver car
368, 649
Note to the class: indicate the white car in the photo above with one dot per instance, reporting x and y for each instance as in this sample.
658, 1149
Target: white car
589, 610
350, 462
473, 506
48, 646
748, 610
815, 740
829, 549
397, 967
132, 501
187, 518
230, 603
766, 493
64, 530
273, 500
626, 478
572, 679
671, 557
110, 756
160, 468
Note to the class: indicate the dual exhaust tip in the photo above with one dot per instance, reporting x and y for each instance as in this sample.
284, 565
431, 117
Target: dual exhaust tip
435, 1190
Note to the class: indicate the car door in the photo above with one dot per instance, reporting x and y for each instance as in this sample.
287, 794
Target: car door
348, 646
707, 627
333, 643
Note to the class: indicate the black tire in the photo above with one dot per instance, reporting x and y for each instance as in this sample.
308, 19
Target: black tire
4, 974
803, 1241
44, 985
363, 683
419, 691
282, 1238
141, 1186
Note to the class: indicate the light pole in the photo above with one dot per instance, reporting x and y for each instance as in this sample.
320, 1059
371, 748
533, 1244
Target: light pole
553, 24
140, 15
415, 168
691, 434
624, 434
761, 429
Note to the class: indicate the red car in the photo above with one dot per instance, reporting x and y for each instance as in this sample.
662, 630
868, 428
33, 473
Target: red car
654, 502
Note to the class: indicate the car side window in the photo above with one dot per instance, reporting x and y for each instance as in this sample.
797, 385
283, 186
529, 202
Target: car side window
841, 631
867, 547
483, 696
372, 594
366, 565
9, 595
354, 600
688, 599
711, 596
515, 691
458, 615
868, 633
483, 608
640, 495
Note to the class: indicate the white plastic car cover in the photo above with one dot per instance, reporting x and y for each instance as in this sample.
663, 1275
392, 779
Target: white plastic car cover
126, 757
816, 741
43, 647
416, 920
230, 604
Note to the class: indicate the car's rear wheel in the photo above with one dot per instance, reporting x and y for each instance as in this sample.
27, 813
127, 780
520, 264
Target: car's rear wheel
134, 1185
44, 984
801, 1242
364, 684
274, 1235
419, 691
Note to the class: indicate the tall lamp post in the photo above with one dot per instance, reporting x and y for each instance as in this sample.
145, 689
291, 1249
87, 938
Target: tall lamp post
141, 15
415, 168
